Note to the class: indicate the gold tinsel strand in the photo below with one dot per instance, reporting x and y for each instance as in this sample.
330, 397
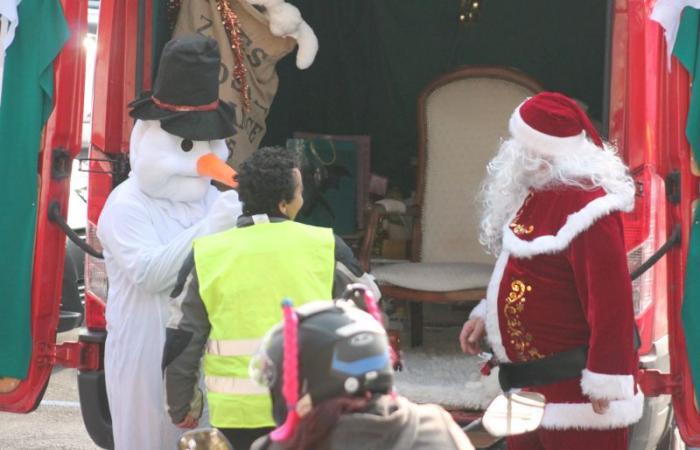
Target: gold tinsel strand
230, 21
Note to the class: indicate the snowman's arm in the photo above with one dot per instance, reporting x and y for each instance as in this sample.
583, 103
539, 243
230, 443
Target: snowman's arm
132, 239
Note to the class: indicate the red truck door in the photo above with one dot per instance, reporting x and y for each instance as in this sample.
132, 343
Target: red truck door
122, 70
60, 143
648, 110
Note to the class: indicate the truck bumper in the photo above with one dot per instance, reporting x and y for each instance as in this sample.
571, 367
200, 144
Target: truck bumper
93, 398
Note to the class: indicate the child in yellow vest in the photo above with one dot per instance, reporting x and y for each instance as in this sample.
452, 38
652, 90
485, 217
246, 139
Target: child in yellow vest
229, 292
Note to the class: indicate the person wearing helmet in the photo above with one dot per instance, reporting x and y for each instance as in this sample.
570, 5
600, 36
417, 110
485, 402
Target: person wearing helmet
228, 295
328, 368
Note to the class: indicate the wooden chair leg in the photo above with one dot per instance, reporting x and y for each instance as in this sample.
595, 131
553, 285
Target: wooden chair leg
416, 318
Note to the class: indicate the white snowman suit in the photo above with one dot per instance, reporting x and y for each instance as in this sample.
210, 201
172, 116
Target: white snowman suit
146, 230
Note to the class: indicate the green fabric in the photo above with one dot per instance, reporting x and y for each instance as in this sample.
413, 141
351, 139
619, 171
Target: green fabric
375, 57
27, 101
336, 206
687, 51
244, 274
691, 303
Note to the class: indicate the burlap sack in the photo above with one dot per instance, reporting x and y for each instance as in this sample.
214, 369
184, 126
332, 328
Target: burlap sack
262, 51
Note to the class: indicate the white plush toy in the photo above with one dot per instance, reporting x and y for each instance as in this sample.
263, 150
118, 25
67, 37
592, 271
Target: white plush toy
148, 224
286, 21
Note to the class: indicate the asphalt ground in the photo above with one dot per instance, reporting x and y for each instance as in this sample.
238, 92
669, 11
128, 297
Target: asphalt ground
57, 422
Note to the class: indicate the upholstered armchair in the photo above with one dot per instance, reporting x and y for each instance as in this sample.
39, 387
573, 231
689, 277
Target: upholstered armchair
462, 116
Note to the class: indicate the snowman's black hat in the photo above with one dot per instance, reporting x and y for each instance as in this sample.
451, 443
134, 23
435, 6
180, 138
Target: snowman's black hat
185, 96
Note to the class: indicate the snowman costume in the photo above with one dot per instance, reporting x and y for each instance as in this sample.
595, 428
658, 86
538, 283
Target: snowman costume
147, 226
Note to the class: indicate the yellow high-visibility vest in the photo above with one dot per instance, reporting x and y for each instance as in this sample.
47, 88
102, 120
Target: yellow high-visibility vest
244, 274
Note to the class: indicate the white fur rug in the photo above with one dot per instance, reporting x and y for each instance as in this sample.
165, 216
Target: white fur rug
438, 372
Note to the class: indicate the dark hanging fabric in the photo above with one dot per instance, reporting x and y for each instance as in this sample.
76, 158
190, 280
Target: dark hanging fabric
161, 30
376, 56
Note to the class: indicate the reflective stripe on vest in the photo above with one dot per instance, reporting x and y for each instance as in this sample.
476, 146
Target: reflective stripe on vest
235, 386
244, 274
233, 347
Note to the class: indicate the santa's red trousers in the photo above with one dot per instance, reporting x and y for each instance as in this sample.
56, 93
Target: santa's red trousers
541, 439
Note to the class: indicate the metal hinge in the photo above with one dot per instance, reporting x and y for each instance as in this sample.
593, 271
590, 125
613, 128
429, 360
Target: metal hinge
60, 163
78, 355
116, 164
673, 187
654, 383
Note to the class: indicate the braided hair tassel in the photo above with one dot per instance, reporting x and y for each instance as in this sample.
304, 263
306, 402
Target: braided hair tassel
290, 388
373, 310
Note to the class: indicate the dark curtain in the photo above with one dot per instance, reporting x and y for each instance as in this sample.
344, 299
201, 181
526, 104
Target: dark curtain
376, 55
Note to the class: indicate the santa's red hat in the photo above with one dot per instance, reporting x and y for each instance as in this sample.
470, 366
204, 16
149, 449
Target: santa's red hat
553, 123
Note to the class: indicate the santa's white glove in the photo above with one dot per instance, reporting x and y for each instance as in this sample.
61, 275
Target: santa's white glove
223, 213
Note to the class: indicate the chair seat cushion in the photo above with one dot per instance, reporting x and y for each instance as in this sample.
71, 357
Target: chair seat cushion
435, 277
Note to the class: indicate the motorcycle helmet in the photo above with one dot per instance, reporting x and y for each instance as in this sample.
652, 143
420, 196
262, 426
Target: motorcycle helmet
322, 350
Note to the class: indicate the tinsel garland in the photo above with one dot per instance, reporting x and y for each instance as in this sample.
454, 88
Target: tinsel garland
233, 29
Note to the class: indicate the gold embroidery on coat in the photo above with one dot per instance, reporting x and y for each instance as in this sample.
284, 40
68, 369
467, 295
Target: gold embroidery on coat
520, 339
519, 229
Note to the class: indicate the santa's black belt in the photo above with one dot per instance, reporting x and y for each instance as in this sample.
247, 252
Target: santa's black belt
548, 370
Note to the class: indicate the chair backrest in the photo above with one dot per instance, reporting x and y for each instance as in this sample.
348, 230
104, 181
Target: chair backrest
462, 117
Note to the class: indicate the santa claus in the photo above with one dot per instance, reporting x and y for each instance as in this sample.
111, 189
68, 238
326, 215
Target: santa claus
558, 313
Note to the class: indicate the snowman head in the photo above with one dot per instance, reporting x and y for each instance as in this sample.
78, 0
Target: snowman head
177, 144
169, 167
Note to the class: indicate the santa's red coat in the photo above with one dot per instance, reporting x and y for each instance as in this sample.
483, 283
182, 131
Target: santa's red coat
561, 282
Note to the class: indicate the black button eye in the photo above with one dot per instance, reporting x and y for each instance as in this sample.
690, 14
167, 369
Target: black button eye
186, 145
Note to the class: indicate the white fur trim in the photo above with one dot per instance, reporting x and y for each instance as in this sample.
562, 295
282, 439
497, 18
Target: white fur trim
308, 46
479, 311
541, 142
565, 416
606, 386
286, 20
575, 224
493, 331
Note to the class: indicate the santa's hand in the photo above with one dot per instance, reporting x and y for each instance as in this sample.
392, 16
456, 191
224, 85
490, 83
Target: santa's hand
223, 213
600, 406
472, 332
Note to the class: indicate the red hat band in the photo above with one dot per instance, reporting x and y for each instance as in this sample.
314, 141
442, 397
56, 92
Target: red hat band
550, 122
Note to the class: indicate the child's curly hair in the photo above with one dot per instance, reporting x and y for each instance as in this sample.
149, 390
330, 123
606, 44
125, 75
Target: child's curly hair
265, 179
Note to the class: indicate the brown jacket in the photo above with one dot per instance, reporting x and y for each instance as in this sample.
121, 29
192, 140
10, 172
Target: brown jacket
389, 426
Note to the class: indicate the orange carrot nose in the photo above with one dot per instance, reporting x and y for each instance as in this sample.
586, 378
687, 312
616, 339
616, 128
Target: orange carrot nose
211, 166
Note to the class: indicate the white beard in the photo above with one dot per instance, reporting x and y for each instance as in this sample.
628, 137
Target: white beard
515, 171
